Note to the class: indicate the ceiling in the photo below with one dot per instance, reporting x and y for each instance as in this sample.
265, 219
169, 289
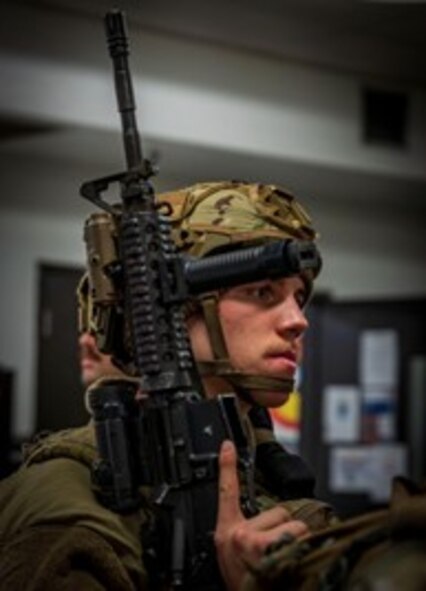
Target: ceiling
383, 40
383, 37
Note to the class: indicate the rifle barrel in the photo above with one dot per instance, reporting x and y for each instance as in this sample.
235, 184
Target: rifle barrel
118, 46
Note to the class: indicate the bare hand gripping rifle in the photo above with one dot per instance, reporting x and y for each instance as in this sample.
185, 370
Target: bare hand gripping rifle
170, 438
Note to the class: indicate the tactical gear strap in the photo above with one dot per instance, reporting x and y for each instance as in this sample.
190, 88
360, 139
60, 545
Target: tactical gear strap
255, 382
209, 305
222, 368
84, 305
262, 424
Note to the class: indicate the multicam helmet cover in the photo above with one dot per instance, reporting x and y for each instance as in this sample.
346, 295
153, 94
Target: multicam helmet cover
214, 216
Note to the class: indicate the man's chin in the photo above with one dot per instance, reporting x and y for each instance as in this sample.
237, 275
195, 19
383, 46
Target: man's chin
88, 377
270, 399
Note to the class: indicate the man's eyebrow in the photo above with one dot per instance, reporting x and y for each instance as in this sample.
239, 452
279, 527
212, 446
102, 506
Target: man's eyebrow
253, 283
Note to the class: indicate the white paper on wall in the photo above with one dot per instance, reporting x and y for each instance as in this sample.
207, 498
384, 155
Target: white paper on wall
367, 469
378, 359
341, 414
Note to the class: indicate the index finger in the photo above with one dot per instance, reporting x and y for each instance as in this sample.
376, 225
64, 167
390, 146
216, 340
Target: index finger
229, 487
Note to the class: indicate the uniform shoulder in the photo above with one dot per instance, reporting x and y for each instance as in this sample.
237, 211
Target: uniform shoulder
53, 488
77, 444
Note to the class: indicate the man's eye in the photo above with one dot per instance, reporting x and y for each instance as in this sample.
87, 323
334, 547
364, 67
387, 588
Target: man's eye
263, 293
301, 297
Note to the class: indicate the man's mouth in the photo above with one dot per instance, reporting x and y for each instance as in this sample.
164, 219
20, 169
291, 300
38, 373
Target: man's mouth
288, 354
89, 356
87, 363
282, 361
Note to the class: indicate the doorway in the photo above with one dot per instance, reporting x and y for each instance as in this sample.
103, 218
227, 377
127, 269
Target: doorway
60, 401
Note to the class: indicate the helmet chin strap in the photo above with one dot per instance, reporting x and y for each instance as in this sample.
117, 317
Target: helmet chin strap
221, 366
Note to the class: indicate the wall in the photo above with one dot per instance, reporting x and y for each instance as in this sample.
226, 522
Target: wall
26, 241
200, 94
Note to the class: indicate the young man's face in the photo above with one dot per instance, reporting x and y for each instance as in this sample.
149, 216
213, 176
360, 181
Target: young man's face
93, 363
263, 325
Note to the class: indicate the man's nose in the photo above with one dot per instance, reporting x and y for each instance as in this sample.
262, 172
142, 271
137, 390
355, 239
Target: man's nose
292, 321
86, 340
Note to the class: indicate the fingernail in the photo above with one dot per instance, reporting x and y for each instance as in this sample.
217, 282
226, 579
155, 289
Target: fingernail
227, 446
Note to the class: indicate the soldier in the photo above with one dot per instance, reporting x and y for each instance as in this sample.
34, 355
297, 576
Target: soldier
93, 363
248, 339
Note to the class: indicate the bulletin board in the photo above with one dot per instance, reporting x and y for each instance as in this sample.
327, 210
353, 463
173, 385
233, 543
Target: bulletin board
364, 398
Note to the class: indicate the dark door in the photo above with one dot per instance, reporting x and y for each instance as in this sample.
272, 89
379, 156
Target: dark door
60, 401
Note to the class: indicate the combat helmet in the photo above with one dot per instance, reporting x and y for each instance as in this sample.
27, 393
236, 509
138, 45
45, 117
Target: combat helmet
208, 218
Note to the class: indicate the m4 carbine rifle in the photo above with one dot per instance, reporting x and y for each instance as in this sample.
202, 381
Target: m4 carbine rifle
168, 439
